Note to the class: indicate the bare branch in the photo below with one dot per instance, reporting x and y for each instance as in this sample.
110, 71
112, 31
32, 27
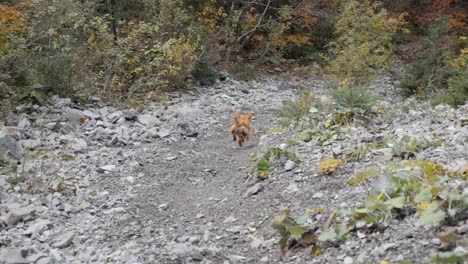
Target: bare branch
256, 26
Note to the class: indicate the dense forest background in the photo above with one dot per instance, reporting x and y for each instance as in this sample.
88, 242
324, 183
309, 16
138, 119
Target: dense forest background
121, 50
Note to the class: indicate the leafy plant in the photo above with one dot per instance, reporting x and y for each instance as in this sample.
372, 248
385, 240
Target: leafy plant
263, 167
337, 232
292, 112
354, 97
407, 147
437, 71
364, 45
448, 257
457, 90
58, 73
308, 134
294, 231
358, 152
416, 186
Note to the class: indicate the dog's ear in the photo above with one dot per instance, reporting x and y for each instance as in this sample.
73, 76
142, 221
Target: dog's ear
250, 114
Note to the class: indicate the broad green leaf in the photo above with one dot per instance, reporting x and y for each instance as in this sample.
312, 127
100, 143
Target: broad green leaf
424, 194
341, 231
327, 235
384, 183
303, 219
297, 231
432, 214
397, 202
371, 172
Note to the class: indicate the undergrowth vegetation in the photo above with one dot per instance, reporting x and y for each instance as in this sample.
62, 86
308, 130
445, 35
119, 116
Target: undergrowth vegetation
125, 50
421, 191
263, 166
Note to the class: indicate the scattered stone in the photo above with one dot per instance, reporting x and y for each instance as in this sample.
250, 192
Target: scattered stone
42, 88
199, 216
74, 115
30, 143
24, 124
230, 219
9, 147
348, 260
256, 243
236, 259
108, 168
290, 165
171, 157
254, 189
79, 145
115, 116
38, 258
318, 195
91, 115
147, 120
130, 179
163, 133
64, 240
13, 256
38, 227
462, 229
234, 229
292, 187
17, 214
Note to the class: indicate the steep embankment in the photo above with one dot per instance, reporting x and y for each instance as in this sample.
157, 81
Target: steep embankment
168, 185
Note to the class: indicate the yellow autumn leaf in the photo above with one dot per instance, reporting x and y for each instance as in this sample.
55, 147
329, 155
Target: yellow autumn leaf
327, 123
423, 205
316, 210
384, 262
324, 100
303, 104
315, 250
379, 197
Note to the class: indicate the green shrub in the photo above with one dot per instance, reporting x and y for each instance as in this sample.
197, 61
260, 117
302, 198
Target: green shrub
57, 73
263, 168
204, 71
243, 71
292, 112
364, 45
457, 94
430, 73
354, 97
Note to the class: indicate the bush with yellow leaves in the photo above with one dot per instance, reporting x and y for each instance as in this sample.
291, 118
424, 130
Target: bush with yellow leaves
327, 166
365, 41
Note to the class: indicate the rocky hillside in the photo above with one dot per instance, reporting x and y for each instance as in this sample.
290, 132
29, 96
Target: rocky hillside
96, 184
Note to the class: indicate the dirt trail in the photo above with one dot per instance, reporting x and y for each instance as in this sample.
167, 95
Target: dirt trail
190, 202
169, 185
